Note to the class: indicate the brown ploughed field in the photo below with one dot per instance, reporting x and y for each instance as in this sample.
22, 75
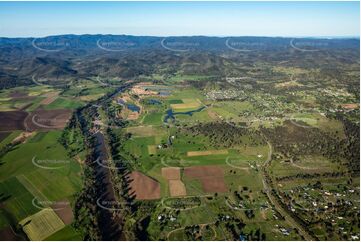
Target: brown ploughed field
144, 187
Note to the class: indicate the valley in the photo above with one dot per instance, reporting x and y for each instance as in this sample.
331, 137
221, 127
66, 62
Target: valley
214, 144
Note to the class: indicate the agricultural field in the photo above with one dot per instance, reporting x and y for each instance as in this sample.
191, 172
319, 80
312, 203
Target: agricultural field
201, 145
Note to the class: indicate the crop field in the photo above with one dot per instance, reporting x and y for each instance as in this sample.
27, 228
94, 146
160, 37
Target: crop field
205, 142
38, 175
42, 224
47, 119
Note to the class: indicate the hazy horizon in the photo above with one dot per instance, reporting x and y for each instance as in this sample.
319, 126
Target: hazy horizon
216, 19
210, 36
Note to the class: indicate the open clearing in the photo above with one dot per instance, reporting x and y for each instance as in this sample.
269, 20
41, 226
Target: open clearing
144, 187
350, 105
177, 188
42, 224
144, 131
171, 173
207, 152
50, 97
152, 149
187, 104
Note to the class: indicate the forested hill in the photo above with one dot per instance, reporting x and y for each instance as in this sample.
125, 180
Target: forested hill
83, 56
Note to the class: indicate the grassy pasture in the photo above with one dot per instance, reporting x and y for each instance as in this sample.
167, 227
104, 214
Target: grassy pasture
64, 103
145, 131
54, 184
153, 119
17, 203
307, 164
9, 138
187, 103
67, 233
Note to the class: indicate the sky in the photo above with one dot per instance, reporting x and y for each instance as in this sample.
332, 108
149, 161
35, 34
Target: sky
288, 19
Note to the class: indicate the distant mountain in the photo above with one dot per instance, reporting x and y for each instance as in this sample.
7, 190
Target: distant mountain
81, 56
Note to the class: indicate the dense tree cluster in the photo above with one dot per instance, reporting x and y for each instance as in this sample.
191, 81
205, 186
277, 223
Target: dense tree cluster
223, 134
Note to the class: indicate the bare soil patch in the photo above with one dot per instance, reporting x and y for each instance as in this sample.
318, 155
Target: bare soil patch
18, 94
213, 115
64, 211
143, 186
12, 120
350, 105
213, 184
177, 188
133, 116
211, 177
203, 171
50, 97
21, 138
207, 152
171, 173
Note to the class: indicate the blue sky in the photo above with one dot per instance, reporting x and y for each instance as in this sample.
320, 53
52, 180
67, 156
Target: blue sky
37, 19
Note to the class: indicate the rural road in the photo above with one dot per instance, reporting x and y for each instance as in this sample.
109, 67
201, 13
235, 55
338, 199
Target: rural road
275, 203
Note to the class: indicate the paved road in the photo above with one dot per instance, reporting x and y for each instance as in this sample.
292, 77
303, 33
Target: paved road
273, 200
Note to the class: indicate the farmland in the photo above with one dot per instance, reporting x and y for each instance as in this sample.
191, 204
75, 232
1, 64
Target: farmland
196, 146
